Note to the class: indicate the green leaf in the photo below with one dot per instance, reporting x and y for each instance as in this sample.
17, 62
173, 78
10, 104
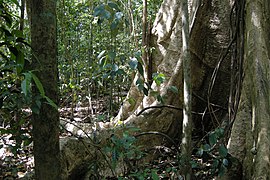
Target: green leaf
138, 54
114, 25
200, 152
113, 5
118, 15
140, 68
27, 142
139, 82
221, 171
15, 2
212, 138
105, 14
122, 58
160, 99
35, 109
25, 85
225, 162
158, 78
14, 51
206, 147
194, 164
98, 10
121, 72
215, 163
19, 62
38, 102
219, 132
173, 89
38, 85
223, 151
17, 33
115, 68
154, 93
133, 63
8, 19
50, 102
112, 55
154, 175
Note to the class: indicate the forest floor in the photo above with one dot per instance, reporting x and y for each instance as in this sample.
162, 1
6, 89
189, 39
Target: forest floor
20, 164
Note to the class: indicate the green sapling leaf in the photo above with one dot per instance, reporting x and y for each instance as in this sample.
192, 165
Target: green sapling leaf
38, 84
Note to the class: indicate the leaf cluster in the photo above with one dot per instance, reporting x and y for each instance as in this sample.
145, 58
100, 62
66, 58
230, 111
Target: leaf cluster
215, 152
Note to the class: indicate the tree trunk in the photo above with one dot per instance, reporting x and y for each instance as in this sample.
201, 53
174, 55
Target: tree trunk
250, 137
44, 65
186, 148
208, 40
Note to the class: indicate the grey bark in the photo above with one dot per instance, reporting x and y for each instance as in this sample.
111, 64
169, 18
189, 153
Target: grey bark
186, 147
250, 137
44, 65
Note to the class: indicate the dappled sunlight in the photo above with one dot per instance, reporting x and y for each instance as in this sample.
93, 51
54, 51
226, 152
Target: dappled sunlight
255, 20
215, 22
164, 22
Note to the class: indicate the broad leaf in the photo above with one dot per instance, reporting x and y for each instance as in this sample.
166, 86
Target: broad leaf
140, 69
26, 83
206, 147
112, 55
115, 68
98, 10
50, 102
113, 5
173, 89
212, 138
225, 162
38, 85
19, 62
133, 63
154, 175
118, 15
114, 25
223, 151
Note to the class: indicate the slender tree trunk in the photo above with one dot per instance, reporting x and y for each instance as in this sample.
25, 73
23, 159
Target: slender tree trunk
187, 121
44, 65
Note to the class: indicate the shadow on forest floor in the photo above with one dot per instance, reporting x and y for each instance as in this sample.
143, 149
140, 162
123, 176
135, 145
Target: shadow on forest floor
21, 164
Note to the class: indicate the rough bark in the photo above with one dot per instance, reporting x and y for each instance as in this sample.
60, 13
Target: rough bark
44, 65
250, 137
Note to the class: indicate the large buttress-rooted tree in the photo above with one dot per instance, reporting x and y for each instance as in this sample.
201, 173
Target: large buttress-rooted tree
44, 65
218, 47
209, 38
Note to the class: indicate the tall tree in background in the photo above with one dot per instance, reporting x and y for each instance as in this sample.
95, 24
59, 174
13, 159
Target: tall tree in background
44, 65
